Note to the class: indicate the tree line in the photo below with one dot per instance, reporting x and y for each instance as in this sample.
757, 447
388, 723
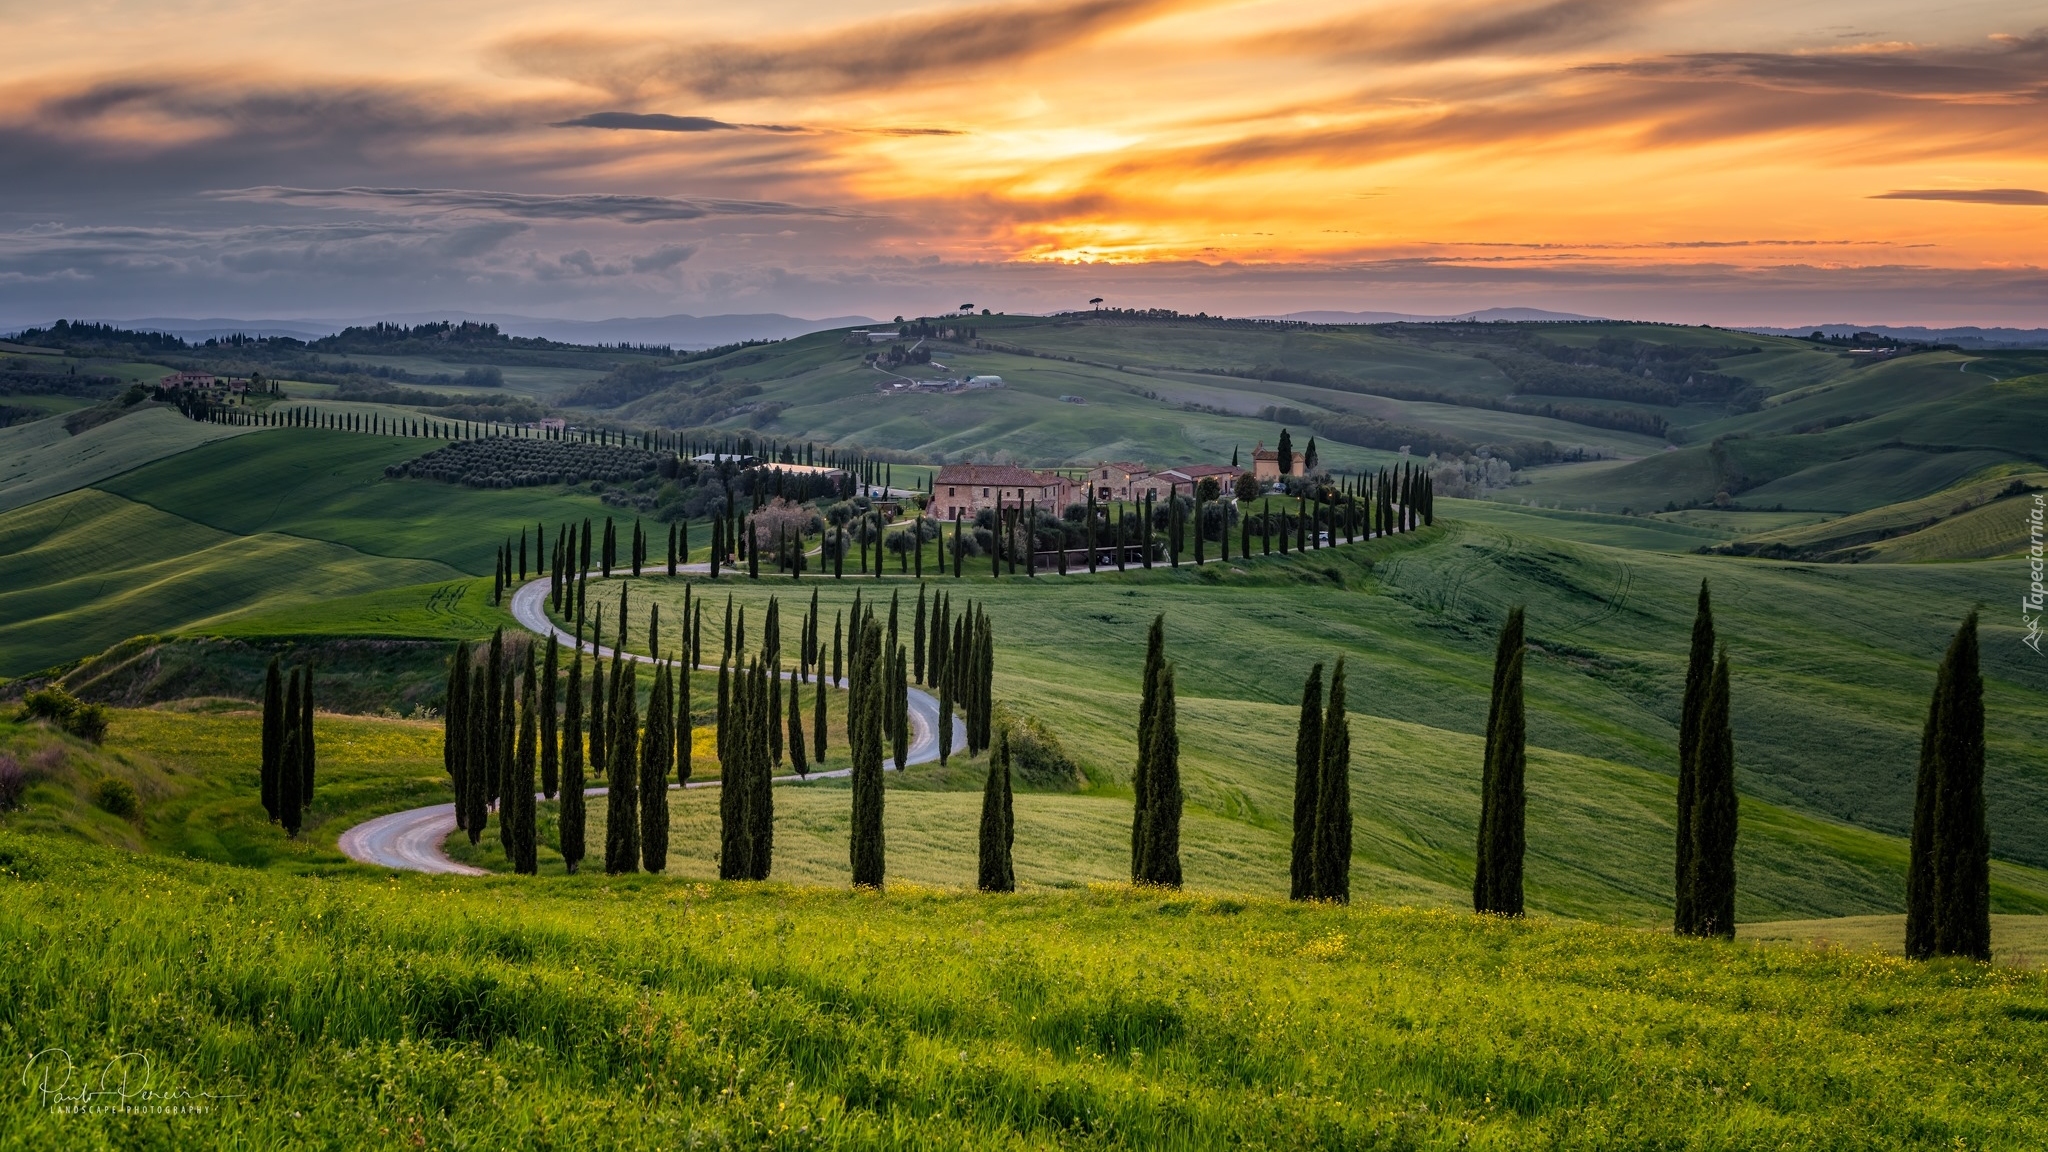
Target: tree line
1948, 878
951, 651
509, 728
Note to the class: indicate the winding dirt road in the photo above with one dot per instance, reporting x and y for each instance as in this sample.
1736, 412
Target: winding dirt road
411, 841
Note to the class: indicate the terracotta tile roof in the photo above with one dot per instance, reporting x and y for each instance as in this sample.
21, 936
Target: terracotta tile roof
997, 476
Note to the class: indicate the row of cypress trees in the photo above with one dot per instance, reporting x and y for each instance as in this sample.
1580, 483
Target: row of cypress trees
1706, 818
285, 776
1948, 876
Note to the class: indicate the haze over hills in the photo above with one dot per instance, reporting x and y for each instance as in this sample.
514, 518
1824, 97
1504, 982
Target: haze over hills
676, 331
1969, 336
1483, 316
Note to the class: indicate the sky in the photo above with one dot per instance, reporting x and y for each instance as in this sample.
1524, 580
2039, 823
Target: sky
1735, 162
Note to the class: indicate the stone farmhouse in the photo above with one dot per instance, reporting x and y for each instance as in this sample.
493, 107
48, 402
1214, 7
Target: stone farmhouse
202, 382
961, 490
1266, 464
1124, 480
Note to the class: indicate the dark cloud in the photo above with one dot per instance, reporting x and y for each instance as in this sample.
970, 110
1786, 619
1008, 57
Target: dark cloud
617, 208
1438, 32
2014, 68
2026, 196
1911, 103
875, 55
663, 122
663, 258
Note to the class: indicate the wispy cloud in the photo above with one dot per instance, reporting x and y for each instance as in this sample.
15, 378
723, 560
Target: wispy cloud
618, 208
874, 55
664, 122
2026, 196
1443, 31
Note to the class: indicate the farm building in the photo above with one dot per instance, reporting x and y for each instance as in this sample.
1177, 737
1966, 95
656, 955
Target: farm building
961, 490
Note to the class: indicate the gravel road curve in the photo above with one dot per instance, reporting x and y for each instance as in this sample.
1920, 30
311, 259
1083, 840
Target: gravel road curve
410, 841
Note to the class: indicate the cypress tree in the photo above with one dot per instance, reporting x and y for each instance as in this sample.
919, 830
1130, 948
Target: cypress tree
998, 822
818, 722
548, 745
917, 639
476, 798
273, 736
599, 733
290, 808
1948, 911
1333, 800
519, 797
454, 730
760, 778
507, 784
1711, 877
864, 719
899, 706
308, 747
1497, 880
1699, 673
945, 720
796, 732
734, 839
771, 659
622, 801
522, 555
508, 738
572, 813
723, 714
1308, 766
1141, 777
985, 659
1162, 823
685, 729
654, 765
494, 712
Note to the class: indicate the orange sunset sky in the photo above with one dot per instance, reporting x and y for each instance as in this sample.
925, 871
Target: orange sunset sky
1779, 163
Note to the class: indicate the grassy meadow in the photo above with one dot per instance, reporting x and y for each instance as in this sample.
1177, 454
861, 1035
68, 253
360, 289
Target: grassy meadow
407, 1011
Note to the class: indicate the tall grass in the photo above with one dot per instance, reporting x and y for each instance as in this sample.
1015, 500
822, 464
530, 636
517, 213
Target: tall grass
635, 1013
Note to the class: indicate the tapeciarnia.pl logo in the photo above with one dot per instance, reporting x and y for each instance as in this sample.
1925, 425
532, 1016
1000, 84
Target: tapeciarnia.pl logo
2031, 604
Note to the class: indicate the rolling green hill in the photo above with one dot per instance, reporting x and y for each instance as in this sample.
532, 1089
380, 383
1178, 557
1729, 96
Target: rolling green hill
1982, 517
274, 523
1833, 666
1956, 425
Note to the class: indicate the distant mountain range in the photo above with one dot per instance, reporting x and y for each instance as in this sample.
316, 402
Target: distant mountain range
678, 331
1484, 315
1967, 337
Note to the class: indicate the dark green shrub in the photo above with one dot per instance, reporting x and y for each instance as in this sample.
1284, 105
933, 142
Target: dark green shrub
116, 797
1036, 757
86, 721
